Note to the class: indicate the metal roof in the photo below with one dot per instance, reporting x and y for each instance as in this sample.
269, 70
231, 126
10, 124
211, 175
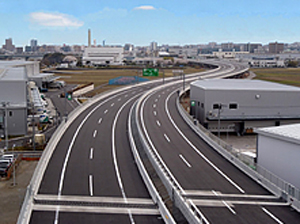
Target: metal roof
285, 132
15, 74
242, 84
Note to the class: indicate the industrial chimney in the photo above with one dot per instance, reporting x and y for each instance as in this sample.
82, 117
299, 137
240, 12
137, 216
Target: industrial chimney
89, 40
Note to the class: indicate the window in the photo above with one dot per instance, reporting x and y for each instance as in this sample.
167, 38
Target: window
202, 105
217, 106
233, 106
10, 113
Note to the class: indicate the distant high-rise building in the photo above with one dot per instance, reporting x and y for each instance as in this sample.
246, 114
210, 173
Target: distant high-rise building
227, 46
128, 47
153, 46
8, 45
33, 45
276, 48
19, 50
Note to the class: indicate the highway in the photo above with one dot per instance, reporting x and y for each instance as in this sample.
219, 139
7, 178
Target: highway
91, 175
219, 190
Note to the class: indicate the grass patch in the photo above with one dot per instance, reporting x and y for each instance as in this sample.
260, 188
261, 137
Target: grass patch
100, 77
288, 76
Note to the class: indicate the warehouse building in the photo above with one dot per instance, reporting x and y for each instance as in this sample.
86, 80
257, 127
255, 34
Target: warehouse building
278, 151
103, 56
241, 105
17, 96
13, 101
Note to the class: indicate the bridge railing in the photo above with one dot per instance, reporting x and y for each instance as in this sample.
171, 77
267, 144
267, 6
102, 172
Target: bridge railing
262, 176
166, 215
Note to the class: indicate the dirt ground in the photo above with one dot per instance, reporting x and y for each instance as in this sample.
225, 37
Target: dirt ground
11, 197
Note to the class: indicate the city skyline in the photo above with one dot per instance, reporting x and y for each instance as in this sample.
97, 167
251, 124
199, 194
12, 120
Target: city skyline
139, 23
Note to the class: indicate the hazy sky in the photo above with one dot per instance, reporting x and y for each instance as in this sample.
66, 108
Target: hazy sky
141, 22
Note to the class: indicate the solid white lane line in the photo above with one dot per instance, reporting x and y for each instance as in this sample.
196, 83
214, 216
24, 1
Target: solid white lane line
91, 185
158, 96
154, 105
272, 216
185, 161
225, 203
154, 112
105, 111
198, 151
95, 133
155, 100
91, 153
167, 138
99, 121
157, 122
114, 153
112, 104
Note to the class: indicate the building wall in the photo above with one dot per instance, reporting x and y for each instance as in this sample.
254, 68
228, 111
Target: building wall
100, 55
255, 108
279, 157
14, 92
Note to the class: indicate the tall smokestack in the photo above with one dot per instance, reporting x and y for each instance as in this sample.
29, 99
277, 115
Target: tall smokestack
89, 36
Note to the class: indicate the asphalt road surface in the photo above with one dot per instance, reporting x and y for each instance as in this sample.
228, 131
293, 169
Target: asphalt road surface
219, 190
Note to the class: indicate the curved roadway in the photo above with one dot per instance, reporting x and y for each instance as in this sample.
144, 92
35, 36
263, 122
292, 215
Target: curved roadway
91, 176
220, 190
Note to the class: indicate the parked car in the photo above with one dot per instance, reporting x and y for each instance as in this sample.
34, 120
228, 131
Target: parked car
4, 166
10, 157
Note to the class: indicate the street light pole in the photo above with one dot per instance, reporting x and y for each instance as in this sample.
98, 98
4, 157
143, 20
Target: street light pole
219, 119
5, 104
14, 175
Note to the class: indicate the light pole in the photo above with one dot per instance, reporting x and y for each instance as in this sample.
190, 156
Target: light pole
14, 174
5, 104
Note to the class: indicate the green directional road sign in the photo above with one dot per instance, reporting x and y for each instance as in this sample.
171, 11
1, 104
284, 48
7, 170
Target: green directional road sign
150, 72
193, 103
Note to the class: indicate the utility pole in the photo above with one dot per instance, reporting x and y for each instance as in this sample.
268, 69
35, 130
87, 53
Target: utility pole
33, 127
5, 104
14, 175
219, 118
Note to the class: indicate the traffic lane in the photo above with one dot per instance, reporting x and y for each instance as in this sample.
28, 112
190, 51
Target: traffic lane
50, 180
132, 180
94, 174
284, 213
246, 214
46, 217
250, 186
51, 177
177, 156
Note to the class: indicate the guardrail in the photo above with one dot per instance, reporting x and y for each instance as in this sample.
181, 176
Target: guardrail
166, 215
270, 181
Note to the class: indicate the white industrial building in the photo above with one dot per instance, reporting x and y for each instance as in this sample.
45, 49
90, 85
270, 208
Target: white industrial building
13, 101
241, 105
278, 151
17, 96
103, 56
267, 62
